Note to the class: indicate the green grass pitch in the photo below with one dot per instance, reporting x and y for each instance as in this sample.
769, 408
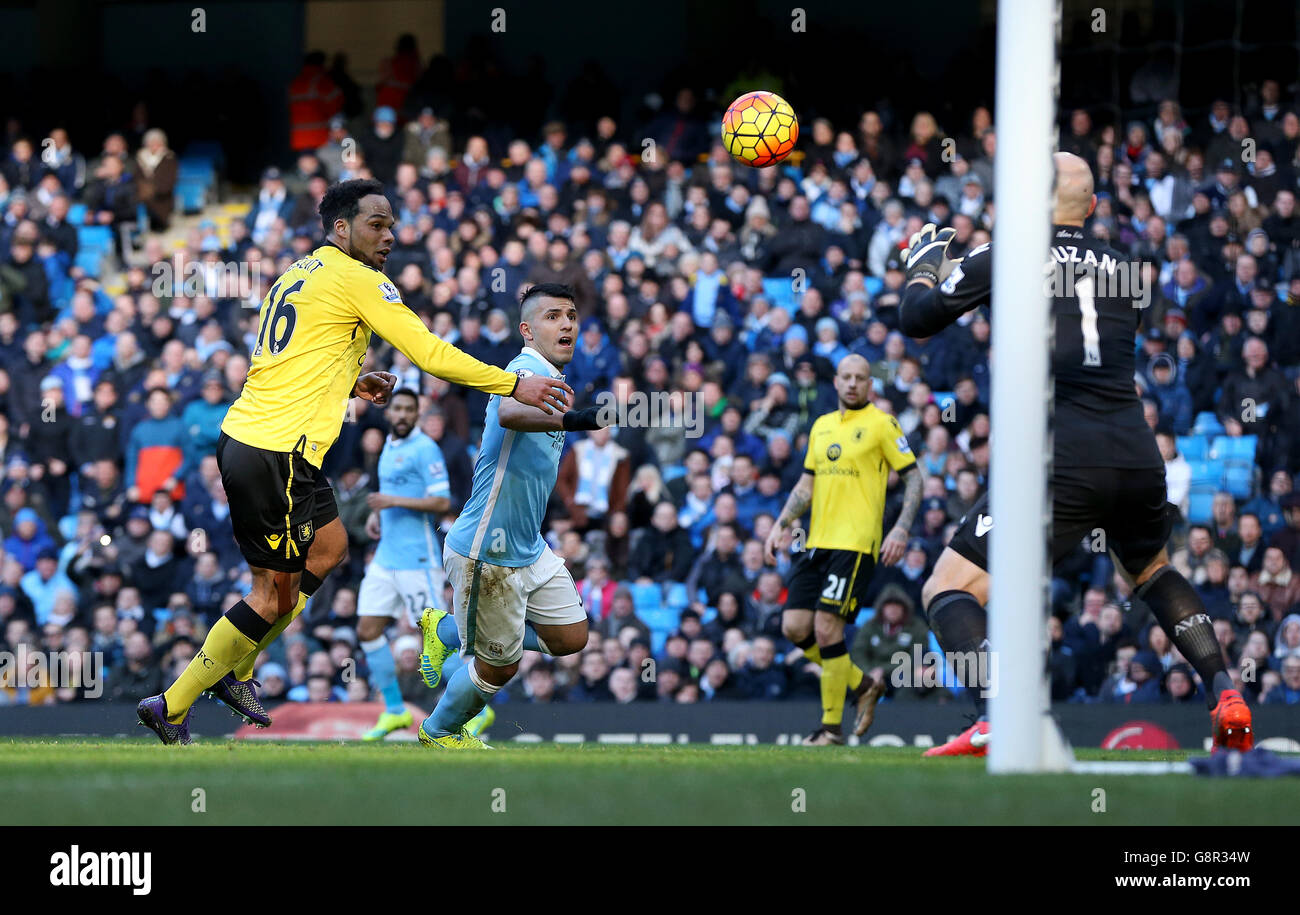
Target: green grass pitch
136, 782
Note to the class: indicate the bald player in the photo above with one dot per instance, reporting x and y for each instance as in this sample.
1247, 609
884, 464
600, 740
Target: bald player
1107, 472
851, 451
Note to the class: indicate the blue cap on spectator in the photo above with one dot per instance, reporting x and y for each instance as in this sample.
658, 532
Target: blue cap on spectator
592, 324
271, 174
796, 333
48, 553
828, 322
384, 113
1149, 660
210, 243
916, 543
138, 511
25, 515
780, 378
51, 381
934, 503
272, 669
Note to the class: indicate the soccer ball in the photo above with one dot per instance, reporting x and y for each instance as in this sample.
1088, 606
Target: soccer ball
760, 129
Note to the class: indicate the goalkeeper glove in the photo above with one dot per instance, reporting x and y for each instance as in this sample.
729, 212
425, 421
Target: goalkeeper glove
926, 256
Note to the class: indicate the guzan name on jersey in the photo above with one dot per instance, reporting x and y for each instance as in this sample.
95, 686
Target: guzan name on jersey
1098, 418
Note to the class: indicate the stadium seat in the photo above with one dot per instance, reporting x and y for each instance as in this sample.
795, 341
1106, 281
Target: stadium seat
1206, 475
77, 214
646, 597
1199, 506
1234, 448
90, 260
1239, 478
190, 195
94, 243
943, 398
208, 151
1194, 447
780, 291
677, 598
1207, 424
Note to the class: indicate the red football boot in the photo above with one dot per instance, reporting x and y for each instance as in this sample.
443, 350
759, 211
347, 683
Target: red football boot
1231, 719
974, 741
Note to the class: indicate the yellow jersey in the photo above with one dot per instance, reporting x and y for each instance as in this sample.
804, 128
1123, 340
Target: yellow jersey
313, 331
850, 456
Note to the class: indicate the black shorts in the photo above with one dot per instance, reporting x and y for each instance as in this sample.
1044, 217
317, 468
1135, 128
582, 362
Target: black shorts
277, 503
832, 581
1124, 510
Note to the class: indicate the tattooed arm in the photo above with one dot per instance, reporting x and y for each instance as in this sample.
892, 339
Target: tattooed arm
895, 544
795, 506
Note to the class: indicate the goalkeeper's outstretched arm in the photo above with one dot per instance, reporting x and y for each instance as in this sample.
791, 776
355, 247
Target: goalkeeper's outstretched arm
928, 307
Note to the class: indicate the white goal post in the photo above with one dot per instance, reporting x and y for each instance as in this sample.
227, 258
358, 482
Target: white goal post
1024, 737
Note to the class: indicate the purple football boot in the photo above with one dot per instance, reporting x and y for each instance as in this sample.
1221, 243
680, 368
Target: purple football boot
153, 715
240, 696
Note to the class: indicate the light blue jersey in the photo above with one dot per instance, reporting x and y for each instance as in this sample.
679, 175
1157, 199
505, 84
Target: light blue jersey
411, 467
513, 478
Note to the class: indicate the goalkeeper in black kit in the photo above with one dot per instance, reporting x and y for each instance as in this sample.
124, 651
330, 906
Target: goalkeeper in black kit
1107, 472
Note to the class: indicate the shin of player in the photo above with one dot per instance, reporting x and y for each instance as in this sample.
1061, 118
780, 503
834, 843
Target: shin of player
406, 572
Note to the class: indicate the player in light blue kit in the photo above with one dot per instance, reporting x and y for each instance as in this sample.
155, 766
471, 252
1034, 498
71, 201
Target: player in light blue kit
405, 574
511, 591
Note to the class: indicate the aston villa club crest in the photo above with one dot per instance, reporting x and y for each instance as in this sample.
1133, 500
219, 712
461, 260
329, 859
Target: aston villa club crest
304, 532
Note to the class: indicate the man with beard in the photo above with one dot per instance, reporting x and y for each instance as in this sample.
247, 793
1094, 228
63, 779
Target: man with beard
406, 572
846, 472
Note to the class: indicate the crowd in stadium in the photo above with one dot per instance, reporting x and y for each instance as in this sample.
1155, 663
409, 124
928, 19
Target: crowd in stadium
740, 287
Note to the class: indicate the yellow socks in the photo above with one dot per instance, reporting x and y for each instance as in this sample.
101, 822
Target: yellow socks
228, 642
244, 669
836, 666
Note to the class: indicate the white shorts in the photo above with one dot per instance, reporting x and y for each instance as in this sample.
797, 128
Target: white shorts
390, 592
493, 602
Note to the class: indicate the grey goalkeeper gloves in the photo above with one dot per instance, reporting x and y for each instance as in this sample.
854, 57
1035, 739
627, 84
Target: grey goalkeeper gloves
926, 256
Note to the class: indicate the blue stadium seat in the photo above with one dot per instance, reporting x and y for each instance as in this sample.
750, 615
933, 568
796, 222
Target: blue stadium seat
1239, 478
208, 151
658, 617
98, 237
1194, 447
646, 597
677, 598
1199, 507
1206, 475
190, 195
658, 638
1238, 448
77, 214
90, 260
1207, 424
943, 397
781, 291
